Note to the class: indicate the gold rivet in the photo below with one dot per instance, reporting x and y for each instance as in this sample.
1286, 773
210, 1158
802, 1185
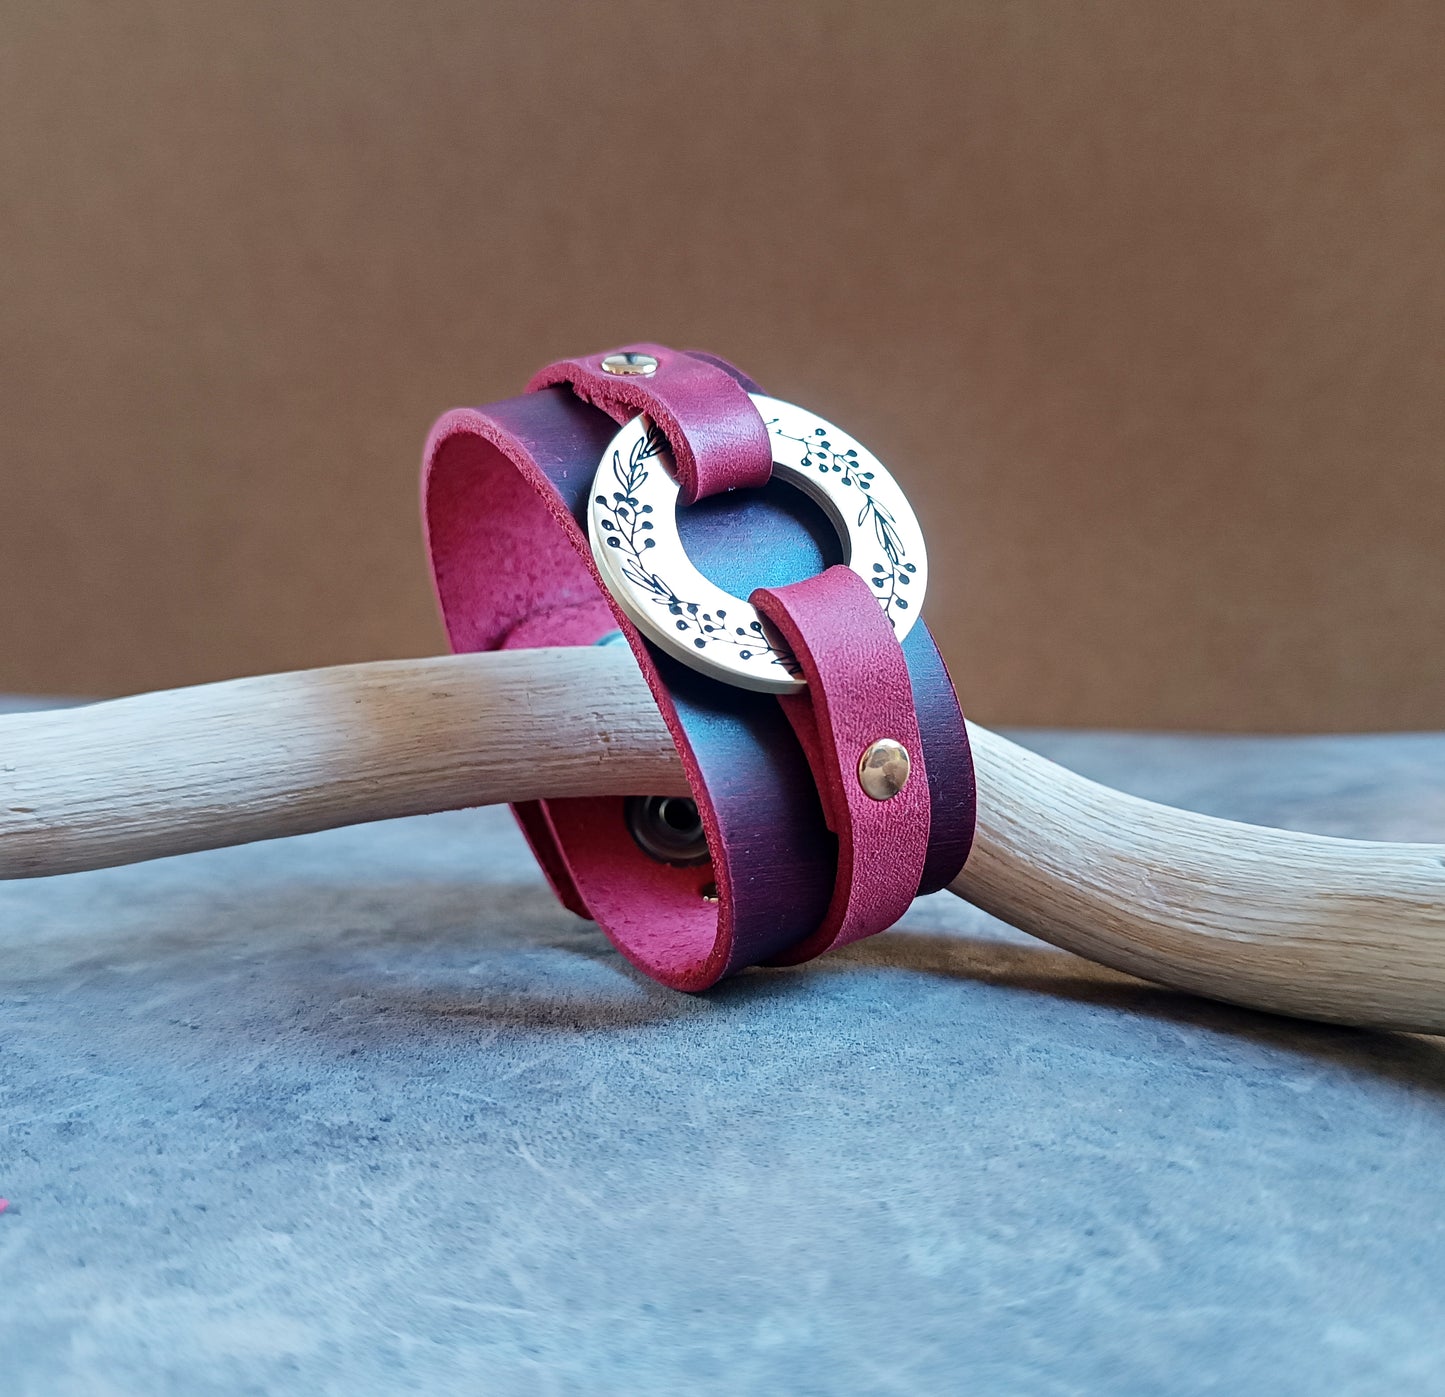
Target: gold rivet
883, 769
630, 364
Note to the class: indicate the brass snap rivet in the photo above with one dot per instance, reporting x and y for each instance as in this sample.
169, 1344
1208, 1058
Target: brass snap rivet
883, 769
630, 364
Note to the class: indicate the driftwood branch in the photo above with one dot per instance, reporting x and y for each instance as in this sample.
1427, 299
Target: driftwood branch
1324, 928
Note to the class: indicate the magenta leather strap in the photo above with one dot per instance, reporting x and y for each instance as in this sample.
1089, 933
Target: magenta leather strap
793, 862
858, 692
717, 436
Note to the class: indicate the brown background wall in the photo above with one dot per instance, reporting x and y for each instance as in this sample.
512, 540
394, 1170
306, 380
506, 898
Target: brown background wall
1144, 301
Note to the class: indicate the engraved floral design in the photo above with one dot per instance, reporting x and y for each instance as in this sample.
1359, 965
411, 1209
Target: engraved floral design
625, 527
820, 455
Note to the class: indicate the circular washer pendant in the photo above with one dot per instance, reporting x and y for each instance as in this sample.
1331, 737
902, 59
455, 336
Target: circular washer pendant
632, 523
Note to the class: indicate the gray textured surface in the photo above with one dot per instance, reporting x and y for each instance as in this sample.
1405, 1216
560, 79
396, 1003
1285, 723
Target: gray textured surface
367, 1113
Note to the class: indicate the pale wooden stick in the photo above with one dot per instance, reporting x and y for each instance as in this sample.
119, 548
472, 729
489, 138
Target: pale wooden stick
1323, 928
278, 754
1338, 929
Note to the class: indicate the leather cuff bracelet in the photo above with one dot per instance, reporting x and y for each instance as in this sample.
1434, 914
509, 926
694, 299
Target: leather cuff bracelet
767, 573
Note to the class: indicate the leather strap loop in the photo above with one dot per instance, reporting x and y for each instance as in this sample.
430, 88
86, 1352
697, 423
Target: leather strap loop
858, 692
718, 439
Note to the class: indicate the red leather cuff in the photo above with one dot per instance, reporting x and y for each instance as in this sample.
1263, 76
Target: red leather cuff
792, 863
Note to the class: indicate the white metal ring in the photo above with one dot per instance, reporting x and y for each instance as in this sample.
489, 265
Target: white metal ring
632, 523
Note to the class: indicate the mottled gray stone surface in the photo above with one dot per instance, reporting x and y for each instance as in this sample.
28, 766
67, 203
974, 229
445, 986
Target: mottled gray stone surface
367, 1113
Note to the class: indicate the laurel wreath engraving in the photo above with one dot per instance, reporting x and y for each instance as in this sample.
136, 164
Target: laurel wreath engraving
624, 525
820, 455
626, 528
